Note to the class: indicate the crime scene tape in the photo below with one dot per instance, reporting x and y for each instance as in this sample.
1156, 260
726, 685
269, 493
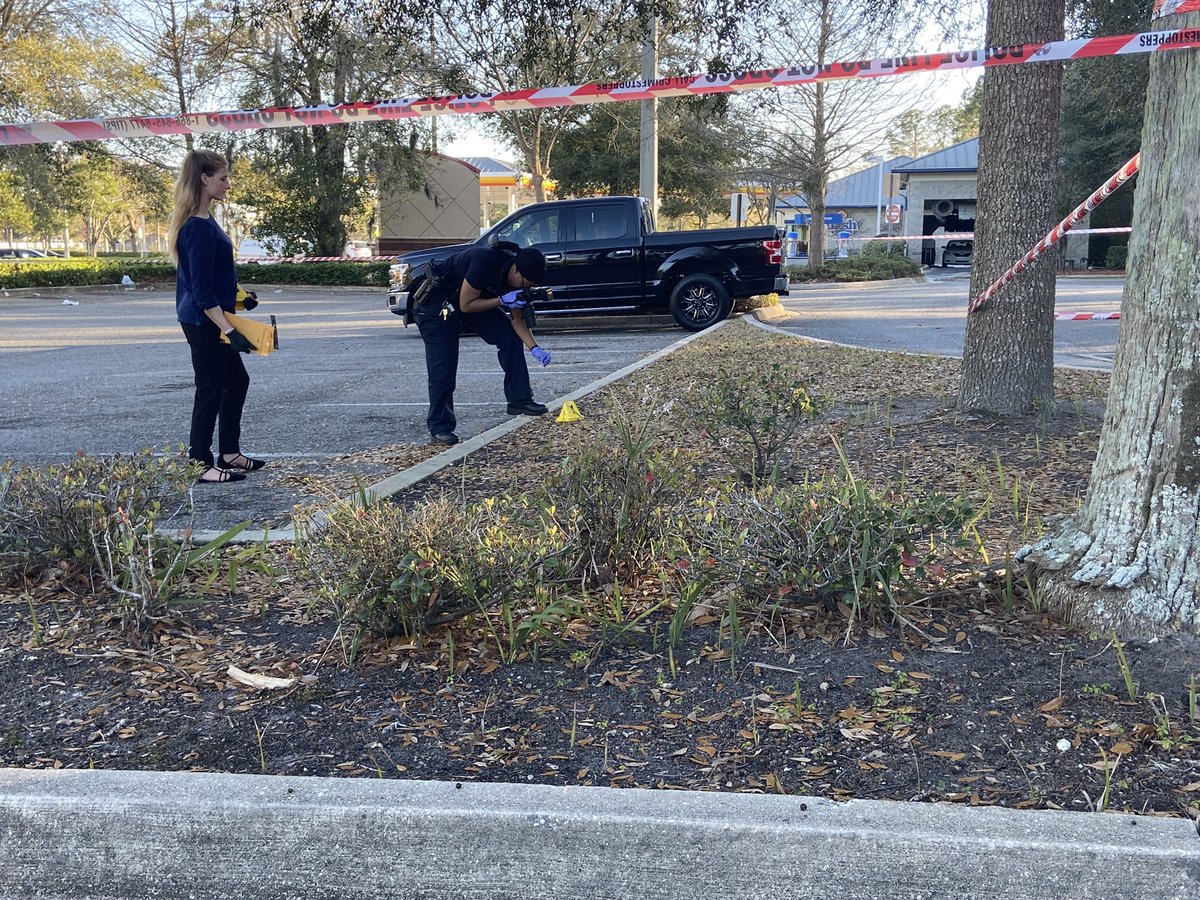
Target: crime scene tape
1122, 175
274, 259
1174, 7
113, 128
970, 235
1089, 317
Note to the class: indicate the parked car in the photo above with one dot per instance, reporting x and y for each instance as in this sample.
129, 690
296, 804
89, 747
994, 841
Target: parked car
357, 249
957, 253
22, 253
253, 249
604, 257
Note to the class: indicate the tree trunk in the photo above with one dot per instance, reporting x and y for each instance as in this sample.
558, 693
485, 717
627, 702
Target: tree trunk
1131, 557
1008, 357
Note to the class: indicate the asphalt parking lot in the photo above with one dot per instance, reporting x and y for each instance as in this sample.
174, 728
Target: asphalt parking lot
109, 372
112, 374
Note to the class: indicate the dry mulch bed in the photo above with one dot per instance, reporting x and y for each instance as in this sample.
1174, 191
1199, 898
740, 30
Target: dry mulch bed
972, 695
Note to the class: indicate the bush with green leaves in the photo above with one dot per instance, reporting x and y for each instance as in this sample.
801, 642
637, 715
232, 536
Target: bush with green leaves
88, 271
619, 481
834, 540
891, 249
751, 418
1116, 256
99, 517
857, 268
392, 571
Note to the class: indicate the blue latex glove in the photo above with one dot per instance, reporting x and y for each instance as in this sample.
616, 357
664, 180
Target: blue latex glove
542, 356
511, 301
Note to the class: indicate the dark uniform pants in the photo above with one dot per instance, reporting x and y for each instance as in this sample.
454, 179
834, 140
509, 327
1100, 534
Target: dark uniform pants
441, 358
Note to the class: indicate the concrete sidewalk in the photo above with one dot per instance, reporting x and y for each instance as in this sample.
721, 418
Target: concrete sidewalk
76, 833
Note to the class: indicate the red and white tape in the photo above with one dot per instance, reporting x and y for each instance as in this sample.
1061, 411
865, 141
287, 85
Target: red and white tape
275, 259
1122, 175
970, 235
597, 92
1088, 317
1164, 8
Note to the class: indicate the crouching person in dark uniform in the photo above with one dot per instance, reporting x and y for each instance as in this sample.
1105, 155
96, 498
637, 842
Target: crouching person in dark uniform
474, 288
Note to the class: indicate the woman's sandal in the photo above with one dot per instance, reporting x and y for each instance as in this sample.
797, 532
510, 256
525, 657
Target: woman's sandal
224, 476
240, 463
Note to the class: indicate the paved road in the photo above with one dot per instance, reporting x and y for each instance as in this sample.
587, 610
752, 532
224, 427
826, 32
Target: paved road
932, 318
112, 374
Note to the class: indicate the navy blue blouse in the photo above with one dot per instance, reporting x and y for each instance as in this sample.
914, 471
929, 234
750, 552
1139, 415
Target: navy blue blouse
205, 277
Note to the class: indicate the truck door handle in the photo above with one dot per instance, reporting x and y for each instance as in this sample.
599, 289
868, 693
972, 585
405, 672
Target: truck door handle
622, 254
553, 257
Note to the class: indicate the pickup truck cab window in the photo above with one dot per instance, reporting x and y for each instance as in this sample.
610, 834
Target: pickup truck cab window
601, 222
540, 226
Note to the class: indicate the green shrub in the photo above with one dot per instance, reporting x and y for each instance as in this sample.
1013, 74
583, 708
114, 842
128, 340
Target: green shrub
364, 274
619, 482
883, 248
83, 271
858, 268
98, 516
753, 417
835, 540
1116, 257
393, 571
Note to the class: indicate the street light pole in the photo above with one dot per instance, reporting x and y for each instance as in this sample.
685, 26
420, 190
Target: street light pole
876, 158
879, 201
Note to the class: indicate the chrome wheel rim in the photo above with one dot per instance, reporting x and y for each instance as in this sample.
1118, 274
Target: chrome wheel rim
699, 303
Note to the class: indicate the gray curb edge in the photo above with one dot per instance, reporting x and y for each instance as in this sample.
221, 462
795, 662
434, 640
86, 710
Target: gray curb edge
81, 833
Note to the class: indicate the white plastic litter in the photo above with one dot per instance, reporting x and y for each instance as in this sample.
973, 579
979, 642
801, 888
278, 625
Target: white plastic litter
1063, 745
127, 281
70, 303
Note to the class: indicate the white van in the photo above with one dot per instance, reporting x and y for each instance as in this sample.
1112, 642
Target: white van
250, 249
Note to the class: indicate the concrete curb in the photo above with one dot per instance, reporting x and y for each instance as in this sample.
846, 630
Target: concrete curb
393, 484
110, 834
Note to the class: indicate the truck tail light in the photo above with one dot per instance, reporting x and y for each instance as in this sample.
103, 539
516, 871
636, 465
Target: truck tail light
774, 251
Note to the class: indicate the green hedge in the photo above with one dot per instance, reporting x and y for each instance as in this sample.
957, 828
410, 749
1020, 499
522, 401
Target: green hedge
858, 268
77, 272
1116, 256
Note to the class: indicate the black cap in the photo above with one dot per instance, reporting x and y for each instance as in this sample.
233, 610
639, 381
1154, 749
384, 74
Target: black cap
531, 264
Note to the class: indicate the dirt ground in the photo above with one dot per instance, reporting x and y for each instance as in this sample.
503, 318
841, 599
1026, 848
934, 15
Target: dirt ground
970, 694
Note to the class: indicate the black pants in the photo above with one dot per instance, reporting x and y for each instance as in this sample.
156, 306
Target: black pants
441, 358
221, 385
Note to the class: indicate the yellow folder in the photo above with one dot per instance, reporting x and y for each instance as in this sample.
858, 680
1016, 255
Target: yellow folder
265, 338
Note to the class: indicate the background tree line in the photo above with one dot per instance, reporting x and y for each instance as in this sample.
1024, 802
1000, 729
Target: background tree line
314, 187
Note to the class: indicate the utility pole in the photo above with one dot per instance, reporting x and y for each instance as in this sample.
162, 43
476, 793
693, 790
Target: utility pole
648, 183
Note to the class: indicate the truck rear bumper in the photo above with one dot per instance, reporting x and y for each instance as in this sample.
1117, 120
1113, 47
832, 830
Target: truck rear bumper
781, 285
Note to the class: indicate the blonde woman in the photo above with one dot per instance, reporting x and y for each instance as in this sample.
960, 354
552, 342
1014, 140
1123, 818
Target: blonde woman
205, 289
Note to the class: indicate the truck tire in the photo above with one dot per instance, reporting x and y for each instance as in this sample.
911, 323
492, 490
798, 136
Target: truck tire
699, 302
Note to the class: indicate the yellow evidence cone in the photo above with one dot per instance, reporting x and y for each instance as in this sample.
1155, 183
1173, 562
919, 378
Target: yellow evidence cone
569, 413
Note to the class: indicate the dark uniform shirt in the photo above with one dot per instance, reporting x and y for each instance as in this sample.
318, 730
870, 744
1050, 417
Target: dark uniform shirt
484, 268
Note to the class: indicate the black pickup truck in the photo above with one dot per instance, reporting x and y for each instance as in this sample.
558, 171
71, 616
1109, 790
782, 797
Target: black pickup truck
604, 257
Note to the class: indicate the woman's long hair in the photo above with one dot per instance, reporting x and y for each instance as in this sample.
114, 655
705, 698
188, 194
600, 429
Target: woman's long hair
188, 192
